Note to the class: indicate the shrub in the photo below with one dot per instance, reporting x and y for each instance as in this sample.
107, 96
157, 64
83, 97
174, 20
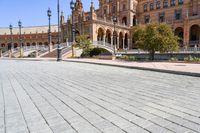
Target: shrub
99, 51
127, 58
196, 59
86, 53
189, 59
192, 59
173, 59
132, 58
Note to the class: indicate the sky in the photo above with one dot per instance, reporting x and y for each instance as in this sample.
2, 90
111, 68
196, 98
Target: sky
34, 12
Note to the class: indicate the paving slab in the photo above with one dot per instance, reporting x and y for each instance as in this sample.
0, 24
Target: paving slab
69, 97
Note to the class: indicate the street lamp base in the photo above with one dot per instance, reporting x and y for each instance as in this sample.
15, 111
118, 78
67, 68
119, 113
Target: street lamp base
59, 54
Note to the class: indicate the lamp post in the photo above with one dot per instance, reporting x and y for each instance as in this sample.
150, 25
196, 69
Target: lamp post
114, 35
59, 49
20, 38
49, 31
11, 40
72, 6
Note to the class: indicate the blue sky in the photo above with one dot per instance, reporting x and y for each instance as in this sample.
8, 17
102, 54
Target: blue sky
34, 12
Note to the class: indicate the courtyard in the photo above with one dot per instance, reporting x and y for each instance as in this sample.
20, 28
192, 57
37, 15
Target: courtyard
67, 97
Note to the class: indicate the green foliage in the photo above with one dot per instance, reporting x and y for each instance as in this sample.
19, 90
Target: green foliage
173, 59
83, 42
98, 51
192, 59
155, 37
86, 53
94, 52
127, 58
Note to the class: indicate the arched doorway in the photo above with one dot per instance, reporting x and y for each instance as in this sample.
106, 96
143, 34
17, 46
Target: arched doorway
134, 20
180, 33
108, 36
100, 34
126, 40
46, 43
15, 45
194, 35
124, 20
40, 43
121, 40
28, 44
34, 44
3, 45
9, 46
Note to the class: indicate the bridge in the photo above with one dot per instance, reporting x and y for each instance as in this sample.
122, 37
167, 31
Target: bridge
42, 50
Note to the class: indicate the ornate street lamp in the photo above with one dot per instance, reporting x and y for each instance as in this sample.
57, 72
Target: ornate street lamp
59, 49
20, 38
114, 35
49, 31
11, 39
72, 6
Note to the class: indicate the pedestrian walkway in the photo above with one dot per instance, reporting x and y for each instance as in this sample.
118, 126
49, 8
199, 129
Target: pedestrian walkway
68, 97
168, 67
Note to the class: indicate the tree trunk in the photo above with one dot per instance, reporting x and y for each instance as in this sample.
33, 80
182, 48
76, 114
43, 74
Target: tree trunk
152, 54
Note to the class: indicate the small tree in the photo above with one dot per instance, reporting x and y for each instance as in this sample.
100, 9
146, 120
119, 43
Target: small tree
155, 37
83, 42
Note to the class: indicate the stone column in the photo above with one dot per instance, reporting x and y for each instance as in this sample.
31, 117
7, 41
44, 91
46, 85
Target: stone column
117, 42
112, 41
123, 43
9, 53
128, 44
104, 40
186, 34
67, 43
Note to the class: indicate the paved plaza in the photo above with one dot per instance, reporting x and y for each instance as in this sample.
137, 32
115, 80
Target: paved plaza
67, 97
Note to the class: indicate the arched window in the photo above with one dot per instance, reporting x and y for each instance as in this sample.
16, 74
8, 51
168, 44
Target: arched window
158, 5
173, 2
145, 8
124, 21
165, 3
151, 6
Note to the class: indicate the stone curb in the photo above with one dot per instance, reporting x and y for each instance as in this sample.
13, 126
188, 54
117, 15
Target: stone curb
140, 68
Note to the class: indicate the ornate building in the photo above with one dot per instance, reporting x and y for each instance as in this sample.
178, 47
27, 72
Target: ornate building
182, 15
99, 25
30, 36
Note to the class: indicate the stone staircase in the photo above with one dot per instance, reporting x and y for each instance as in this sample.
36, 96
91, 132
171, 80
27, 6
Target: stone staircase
52, 54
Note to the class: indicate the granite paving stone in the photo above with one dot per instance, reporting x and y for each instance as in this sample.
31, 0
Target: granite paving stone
69, 97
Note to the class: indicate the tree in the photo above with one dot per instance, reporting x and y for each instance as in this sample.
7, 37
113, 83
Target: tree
83, 42
155, 37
